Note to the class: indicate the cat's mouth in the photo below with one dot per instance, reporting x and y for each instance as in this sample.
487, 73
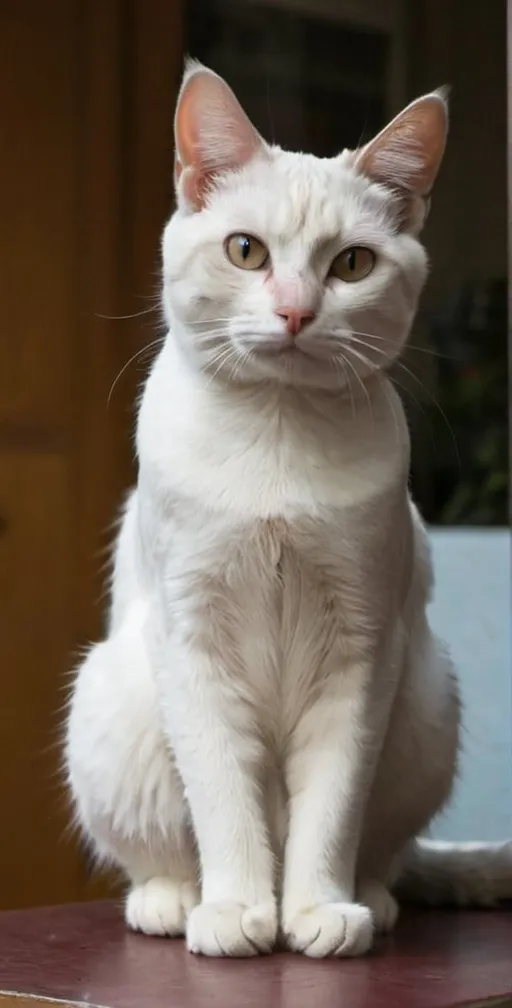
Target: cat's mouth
291, 351
284, 351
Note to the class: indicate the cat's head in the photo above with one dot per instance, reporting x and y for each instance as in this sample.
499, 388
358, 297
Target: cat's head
287, 266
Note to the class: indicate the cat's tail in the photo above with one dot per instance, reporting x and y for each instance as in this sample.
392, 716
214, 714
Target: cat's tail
463, 874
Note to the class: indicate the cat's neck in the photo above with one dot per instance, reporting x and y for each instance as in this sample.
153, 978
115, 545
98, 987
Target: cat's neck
182, 404
270, 400
266, 447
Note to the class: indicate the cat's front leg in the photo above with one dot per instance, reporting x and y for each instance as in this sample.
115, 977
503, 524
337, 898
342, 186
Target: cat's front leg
330, 771
218, 753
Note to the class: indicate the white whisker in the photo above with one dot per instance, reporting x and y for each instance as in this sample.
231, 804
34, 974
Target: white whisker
122, 318
152, 309
358, 376
340, 364
138, 353
407, 392
220, 359
209, 337
354, 339
364, 360
409, 346
392, 403
438, 406
241, 360
208, 321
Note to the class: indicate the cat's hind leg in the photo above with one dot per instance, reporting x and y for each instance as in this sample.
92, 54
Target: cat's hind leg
128, 796
415, 774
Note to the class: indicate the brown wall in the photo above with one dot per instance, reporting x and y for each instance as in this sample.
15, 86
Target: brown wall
86, 96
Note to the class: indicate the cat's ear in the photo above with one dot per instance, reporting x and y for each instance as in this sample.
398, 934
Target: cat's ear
212, 135
406, 155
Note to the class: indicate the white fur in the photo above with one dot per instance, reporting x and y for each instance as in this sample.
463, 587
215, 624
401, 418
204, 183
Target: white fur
270, 716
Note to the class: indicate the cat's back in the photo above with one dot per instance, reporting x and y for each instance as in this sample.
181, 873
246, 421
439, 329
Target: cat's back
126, 581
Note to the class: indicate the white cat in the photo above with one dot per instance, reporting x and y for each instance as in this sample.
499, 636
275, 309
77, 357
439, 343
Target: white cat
270, 721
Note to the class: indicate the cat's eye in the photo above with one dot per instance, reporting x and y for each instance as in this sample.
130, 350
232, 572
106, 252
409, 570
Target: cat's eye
246, 251
353, 264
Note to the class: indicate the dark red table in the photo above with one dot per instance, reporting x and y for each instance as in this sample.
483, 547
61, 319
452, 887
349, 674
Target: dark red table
82, 954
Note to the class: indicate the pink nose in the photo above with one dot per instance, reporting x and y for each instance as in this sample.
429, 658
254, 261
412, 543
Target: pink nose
295, 318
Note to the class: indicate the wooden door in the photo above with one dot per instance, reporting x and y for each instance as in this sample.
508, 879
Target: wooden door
86, 97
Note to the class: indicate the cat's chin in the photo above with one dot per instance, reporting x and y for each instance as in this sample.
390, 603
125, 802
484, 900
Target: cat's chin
286, 351
291, 365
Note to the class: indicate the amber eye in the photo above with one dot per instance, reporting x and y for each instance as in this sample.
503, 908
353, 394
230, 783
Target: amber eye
353, 264
246, 252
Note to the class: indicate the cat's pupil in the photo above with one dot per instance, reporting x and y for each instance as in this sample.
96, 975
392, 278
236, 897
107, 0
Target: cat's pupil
245, 247
351, 259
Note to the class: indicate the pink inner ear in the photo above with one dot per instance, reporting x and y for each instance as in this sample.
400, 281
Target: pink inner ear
194, 187
213, 134
186, 121
407, 153
192, 183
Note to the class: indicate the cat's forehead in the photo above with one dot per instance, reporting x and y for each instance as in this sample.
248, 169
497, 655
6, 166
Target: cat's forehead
302, 195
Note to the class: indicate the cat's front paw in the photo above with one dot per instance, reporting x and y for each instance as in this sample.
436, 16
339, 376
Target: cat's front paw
160, 906
232, 929
330, 929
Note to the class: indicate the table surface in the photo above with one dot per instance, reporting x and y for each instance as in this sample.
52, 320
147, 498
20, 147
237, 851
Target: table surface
83, 954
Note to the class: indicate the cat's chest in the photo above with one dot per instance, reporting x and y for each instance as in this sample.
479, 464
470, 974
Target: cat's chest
290, 600
199, 545
275, 598
267, 562
294, 569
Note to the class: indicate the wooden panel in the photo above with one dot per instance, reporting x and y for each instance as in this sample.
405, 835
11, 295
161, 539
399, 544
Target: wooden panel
38, 194
154, 58
87, 90
131, 64
97, 471
35, 648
